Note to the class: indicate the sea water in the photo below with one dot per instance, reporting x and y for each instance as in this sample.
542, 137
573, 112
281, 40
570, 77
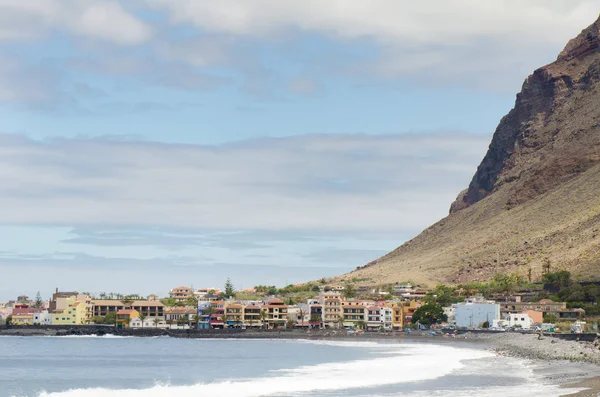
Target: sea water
164, 367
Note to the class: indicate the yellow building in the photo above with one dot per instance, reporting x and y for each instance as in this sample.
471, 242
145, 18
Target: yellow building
124, 317
397, 316
74, 313
409, 309
22, 319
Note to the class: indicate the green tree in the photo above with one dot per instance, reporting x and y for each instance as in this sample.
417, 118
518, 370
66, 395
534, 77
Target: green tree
156, 320
550, 318
169, 302
9, 319
558, 280
191, 302
315, 318
98, 320
171, 322
110, 318
429, 314
442, 295
503, 283
349, 291
229, 289
224, 318
592, 293
38, 301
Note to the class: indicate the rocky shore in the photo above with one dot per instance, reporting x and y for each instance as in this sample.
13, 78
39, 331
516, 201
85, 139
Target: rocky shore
531, 346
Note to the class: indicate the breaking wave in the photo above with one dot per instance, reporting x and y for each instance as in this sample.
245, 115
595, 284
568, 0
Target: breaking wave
411, 363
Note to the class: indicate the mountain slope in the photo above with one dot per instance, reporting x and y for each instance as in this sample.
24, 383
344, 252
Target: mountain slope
535, 196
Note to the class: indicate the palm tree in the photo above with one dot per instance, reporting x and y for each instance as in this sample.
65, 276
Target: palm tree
196, 320
170, 322
301, 313
142, 318
156, 320
263, 316
224, 317
209, 311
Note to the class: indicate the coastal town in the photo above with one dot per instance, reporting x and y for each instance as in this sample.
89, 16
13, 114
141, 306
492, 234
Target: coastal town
506, 303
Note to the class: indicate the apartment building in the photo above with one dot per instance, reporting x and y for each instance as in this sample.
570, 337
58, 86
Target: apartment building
181, 294
353, 315
276, 313
332, 308
545, 306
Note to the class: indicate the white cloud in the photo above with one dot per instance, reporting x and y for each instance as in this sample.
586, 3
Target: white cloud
466, 41
94, 19
414, 23
320, 182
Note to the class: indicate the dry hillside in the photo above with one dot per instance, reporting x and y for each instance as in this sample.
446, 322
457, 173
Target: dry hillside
535, 196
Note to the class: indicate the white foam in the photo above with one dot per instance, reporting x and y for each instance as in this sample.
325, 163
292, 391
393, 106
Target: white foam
105, 336
413, 362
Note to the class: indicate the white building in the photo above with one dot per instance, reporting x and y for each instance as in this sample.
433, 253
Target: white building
474, 312
148, 323
386, 318
450, 312
519, 320
379, 317
42, 318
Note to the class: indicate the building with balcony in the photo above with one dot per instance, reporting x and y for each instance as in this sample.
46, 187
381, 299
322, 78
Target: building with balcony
234, 315
181, 294
252, 317
332, 308
545, 306
276, 313
354, 315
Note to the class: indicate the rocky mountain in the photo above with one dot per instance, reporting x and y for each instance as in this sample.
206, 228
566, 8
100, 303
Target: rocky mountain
535, 196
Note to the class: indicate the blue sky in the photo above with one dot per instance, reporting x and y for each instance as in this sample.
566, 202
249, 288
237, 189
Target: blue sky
177, 142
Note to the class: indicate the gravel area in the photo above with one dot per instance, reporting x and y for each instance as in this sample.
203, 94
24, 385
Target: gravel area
547, 348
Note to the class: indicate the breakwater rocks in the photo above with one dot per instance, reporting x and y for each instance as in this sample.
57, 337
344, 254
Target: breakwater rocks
229, 333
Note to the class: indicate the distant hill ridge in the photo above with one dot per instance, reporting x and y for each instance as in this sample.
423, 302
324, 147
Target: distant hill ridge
535, 196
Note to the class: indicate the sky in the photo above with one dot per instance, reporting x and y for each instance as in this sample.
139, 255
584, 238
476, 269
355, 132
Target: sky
147, 144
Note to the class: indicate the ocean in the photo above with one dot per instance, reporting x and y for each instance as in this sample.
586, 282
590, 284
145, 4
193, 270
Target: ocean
164, 367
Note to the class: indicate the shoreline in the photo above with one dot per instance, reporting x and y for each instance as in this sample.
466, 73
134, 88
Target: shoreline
569, 364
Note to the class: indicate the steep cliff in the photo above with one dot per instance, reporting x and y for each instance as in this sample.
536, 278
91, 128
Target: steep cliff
536, 194
551, 135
